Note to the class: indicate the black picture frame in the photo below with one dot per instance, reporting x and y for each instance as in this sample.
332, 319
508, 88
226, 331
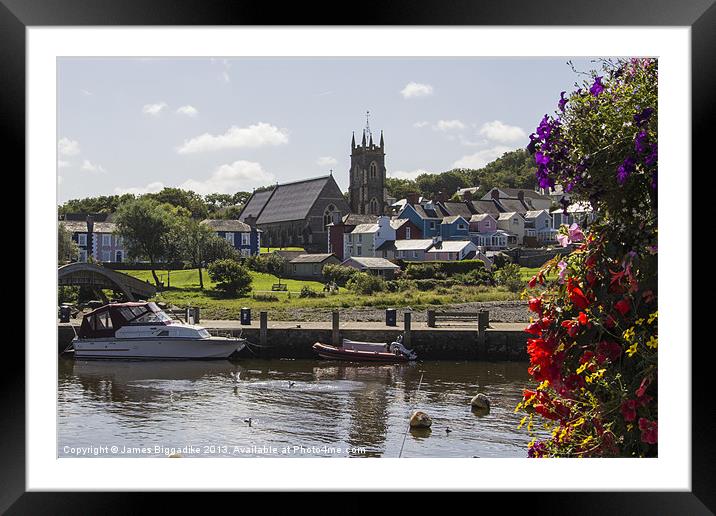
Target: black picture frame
17, 15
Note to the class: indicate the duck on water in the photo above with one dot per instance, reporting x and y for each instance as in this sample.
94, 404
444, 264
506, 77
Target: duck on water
143, 331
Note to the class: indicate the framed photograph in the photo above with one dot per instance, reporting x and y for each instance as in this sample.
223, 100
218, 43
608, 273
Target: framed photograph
415, 252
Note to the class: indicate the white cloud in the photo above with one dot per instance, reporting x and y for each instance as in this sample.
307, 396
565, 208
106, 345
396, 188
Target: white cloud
231, 178
154, 109
92, 167
501, 132
407, 174
188, 110
154, 187
256, 135
68, 147
420, 124
325, 161
63, 164
481, 158
416, 89
449, 125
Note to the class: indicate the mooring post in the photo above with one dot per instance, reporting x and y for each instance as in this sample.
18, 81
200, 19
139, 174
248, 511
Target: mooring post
431, 318
336, 335
483, 320
406, 330
263, 329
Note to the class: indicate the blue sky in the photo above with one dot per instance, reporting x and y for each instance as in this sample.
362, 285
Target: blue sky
230, 124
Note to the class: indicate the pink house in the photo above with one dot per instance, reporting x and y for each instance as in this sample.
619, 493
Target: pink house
483, 223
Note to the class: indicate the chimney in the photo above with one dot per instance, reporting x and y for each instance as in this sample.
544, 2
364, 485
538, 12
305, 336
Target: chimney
412, 198
467, 196
495, 194
521, 195
250, 220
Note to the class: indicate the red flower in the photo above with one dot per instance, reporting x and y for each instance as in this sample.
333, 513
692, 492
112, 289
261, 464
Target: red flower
583, 319
608, 350
628, 410
545, 412
535, 304
534, 329
572, 327
648, 296
591, 278
643, 386
528, 394
576, 296
623, 305
532, 282
590, 261
609, 322
648, 431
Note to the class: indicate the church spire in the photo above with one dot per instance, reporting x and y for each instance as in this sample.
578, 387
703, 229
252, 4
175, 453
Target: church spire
363, 138
353, 141
381, 139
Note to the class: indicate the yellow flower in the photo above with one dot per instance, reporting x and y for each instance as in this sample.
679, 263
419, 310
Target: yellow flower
631, 350
638, 322
629, 334
653, 316
652, 342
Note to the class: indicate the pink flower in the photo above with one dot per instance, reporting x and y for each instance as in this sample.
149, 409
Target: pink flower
562, 267
574, 234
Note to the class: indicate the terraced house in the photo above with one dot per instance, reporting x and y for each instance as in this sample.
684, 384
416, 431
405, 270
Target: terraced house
244, 238
96, 237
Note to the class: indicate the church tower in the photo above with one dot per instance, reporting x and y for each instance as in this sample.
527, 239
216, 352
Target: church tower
367, 175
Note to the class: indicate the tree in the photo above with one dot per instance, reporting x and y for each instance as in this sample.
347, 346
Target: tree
187, 199
199, 245
275, 264
595, 337
400, 188
101, 204
230, 277
147, 228
67, 249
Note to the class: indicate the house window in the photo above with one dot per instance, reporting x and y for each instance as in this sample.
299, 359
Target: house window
229, 238
415, 254
106, 239
118, 241
106, 256
432, 225
360, 238
82, 239
245, 239
83, 255
407, 233
118, 257
462, 226
359, 251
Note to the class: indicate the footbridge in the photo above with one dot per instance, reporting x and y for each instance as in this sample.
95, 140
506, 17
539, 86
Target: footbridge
98, 277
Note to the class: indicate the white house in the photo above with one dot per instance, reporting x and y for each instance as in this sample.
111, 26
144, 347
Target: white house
579, 212
451, 250
538, 224
412, 250
514, 224
366, 238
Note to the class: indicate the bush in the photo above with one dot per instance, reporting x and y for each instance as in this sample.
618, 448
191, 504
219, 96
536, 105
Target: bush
442, 270
265, 297
362, 283
307, 291
509, 277
230, 277
477, 277
338, 274
68, 294
420, 271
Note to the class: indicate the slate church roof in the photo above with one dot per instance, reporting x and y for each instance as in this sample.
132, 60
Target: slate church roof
286, 202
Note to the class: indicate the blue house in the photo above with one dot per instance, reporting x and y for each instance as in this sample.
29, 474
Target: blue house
455, 228
428, 217
246, 239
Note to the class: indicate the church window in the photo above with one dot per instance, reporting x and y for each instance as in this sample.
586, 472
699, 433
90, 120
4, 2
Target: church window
374, 206
329, 215
373, 170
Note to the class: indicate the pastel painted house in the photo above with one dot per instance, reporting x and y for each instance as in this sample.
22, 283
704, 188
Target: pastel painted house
245, 238
514, 224
415, 250
365, 239
454, 227
538, 226
97, 240
452, 250
427, 216
483, 223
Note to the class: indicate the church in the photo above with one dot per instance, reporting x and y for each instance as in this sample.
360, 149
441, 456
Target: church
296, 214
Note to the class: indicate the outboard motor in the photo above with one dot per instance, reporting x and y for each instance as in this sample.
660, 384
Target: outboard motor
398, 348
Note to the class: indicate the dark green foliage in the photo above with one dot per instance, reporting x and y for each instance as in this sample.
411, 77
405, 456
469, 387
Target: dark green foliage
440, 270
338, 274
230, 277
307, 291
476, 277
509, 276
363, 283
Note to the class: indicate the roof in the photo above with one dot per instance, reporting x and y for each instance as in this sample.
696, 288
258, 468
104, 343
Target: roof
388, 245
413, 245
372, 263
255, 204
366, 228
480, 217
452, 218
515, 205
430, 211
292, 201
535, 213
450, 246
312, 258
507, 215
458, 208
227, 225
485, 206
76, 226
527, 192
398, 223
353, 219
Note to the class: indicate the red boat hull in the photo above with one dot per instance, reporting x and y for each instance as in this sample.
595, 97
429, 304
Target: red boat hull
335, 353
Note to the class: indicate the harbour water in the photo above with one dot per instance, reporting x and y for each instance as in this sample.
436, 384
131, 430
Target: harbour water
286, 408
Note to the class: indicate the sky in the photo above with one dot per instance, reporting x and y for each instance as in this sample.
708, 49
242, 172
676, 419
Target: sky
233, 124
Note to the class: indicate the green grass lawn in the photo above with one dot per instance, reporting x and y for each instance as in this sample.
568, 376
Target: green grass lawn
271, 249
184, 291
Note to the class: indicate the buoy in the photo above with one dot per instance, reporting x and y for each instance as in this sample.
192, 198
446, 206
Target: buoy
480, 401
420, 419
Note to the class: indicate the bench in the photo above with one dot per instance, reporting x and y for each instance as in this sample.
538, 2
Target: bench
482, 317
279, 286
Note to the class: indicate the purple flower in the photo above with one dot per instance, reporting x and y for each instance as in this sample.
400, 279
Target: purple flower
533, 142
643, 116
573, 234
541, 158
597, 87
562, 101
538, 449
640, 143
624, 170
544, 129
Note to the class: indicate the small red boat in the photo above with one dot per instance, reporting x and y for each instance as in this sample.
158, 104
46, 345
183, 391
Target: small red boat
356, 351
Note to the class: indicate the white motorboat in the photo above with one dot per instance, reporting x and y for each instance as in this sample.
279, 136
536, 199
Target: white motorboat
144, 331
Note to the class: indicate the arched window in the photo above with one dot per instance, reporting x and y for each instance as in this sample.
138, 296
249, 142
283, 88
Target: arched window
329, 215
374, 206
373, 170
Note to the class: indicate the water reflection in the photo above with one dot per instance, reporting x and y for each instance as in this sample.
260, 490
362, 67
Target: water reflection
363, 409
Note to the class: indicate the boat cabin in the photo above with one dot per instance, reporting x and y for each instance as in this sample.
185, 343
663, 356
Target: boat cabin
105, 321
